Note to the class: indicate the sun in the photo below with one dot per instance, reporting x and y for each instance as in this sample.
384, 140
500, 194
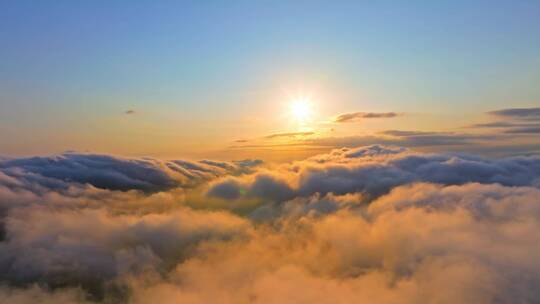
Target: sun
301, 109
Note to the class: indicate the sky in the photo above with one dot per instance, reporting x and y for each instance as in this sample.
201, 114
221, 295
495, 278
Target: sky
197, 76
264, 152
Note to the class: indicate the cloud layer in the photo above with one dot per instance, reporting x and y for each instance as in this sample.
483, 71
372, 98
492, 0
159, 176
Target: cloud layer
114, 173
374, 224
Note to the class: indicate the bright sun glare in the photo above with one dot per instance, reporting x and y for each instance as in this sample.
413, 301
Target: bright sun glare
301, 109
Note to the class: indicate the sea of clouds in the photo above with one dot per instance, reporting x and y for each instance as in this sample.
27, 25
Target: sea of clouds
373, 224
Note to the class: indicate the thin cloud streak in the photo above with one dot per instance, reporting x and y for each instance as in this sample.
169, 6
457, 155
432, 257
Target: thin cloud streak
517, 113
288, 134
518, 121
359, 116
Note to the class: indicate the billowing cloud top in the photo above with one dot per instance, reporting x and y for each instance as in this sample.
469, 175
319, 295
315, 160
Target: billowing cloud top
116, 173
375, 170
373, 224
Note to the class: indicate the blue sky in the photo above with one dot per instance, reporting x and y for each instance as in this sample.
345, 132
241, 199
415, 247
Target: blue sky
72, 66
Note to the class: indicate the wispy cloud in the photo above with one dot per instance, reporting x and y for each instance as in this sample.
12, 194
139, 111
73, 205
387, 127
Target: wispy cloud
494, 125
407, 138
507, 141
420, 138
524, 130
288, 134
359, 116
515, 121
518, 113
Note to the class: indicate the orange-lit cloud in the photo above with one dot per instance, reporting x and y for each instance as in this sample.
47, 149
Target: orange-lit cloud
377, 224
